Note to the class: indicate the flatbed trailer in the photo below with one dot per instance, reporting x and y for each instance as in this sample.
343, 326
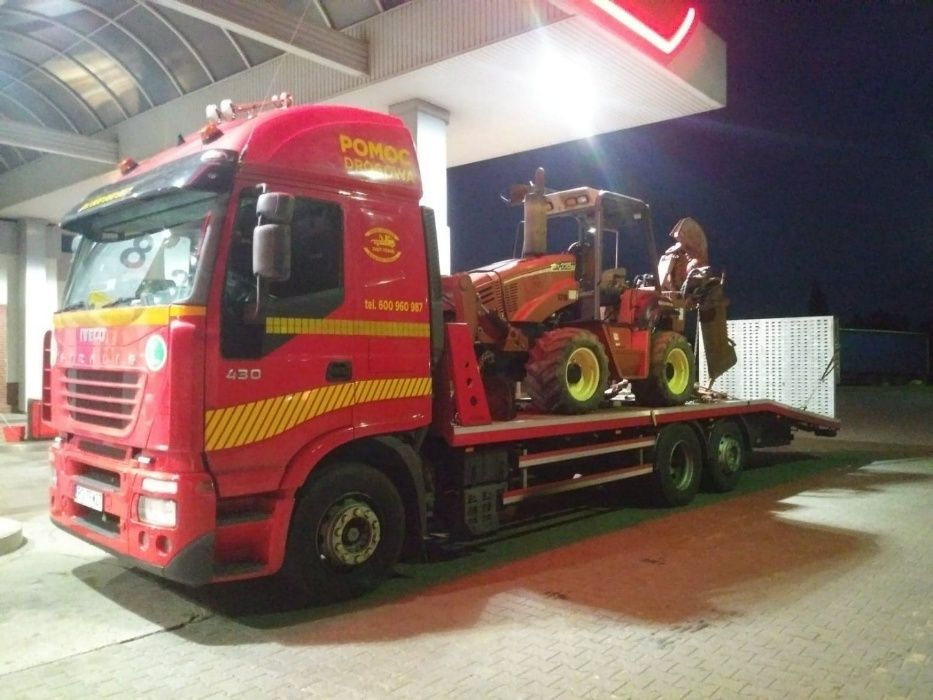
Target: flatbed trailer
534, 455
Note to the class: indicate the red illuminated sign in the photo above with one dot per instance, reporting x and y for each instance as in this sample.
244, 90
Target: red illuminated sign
615, 13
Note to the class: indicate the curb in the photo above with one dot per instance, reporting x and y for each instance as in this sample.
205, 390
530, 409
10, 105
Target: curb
11, 536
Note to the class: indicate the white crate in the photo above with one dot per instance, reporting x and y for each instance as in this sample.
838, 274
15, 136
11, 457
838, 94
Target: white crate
782, 359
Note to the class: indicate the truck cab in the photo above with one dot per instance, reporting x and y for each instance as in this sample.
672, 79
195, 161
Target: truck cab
193, 397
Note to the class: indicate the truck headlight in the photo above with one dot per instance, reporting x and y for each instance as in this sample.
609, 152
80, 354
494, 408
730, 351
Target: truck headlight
160, 512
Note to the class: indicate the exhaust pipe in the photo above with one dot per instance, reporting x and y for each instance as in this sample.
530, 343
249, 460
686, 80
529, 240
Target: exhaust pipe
534, 240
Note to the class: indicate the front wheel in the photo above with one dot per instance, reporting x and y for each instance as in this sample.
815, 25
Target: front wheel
678, 462
346, 533
671, 372
567, 372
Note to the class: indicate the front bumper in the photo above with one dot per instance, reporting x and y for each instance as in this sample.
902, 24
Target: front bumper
183, 553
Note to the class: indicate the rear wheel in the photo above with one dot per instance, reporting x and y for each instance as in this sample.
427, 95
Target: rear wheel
346, 534
678, 462
671, 372
567, 372
726, 456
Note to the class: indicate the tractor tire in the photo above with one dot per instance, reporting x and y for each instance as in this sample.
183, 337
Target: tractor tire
567, 372
678, 463
726, 457
671, 372
346, 534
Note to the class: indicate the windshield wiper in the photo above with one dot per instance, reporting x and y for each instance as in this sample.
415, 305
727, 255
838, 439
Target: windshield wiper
74, 307
120, 302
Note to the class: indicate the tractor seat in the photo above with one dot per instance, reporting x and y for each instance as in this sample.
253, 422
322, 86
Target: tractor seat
612, 283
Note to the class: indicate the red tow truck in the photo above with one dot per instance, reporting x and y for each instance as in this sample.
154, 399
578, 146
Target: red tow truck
258, 368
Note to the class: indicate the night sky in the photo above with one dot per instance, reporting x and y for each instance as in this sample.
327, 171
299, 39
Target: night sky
819, 170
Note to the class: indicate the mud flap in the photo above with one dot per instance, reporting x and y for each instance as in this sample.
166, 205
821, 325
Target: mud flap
720, 351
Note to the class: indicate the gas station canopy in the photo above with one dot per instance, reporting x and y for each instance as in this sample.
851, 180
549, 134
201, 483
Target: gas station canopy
84, 84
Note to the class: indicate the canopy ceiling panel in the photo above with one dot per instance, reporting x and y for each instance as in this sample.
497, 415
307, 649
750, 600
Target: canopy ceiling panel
84, 66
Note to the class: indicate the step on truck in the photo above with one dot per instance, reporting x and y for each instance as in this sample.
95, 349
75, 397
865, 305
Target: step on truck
258, 369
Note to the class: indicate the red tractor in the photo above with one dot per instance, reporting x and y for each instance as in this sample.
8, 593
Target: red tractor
567, 321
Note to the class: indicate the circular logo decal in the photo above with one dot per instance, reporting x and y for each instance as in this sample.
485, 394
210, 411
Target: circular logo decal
382, 245
156, 353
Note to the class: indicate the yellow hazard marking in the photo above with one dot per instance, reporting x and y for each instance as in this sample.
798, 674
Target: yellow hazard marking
325, 326
125, 316
248, 423
105, 198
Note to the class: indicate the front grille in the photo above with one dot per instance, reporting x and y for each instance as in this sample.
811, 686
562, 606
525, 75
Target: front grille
104, 398
490, 297
103, 523
98, 448
511, 298
98, 478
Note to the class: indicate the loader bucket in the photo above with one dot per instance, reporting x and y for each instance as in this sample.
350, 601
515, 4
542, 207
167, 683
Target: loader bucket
720, 351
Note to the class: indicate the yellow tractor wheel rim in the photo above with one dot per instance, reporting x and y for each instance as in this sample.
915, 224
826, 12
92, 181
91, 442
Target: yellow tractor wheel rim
677, 371
582, 374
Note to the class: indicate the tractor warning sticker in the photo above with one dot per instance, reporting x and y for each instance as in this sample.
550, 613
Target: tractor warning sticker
376, 160
382, 245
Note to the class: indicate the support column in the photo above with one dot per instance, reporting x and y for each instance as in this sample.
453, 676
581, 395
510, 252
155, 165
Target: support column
428, 126
40, 250
9, 316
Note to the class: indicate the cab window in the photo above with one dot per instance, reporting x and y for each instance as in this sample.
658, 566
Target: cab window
314, 289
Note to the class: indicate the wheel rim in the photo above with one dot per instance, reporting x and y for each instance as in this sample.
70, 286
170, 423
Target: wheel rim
681, 466
582, 374
730, 454
349, 533
677, 371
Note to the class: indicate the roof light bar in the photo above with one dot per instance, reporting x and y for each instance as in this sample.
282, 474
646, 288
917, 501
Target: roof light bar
666, 45
227, 111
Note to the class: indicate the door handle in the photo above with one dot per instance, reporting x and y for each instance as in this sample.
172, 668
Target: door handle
339, 371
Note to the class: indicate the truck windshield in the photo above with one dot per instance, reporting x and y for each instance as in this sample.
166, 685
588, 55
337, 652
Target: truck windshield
146, 256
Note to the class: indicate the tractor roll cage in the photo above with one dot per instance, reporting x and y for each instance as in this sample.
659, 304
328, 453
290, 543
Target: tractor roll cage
609, 211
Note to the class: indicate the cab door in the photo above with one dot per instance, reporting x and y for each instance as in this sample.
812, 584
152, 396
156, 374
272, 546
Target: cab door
283, 378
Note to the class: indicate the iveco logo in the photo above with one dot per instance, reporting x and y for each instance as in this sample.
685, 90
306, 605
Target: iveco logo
97, 336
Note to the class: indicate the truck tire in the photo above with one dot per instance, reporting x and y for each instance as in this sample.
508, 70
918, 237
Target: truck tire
346, 534
726, 456
678, 463
671, 372
567, 372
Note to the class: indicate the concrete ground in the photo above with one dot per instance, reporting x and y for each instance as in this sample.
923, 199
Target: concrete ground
811, 580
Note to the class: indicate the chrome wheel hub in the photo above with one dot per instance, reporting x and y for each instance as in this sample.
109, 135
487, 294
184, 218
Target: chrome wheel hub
349, 533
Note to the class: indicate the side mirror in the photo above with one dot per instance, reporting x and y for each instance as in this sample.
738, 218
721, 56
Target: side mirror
272, 240
275, 208
272, 252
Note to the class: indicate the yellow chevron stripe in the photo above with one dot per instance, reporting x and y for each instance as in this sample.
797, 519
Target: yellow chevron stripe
227, 423
269, 424
259, 415
255, 421
238, 424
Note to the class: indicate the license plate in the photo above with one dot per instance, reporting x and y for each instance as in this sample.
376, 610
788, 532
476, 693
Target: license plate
89, 498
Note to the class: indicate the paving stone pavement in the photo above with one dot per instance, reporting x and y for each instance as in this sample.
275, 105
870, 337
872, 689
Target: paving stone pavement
819, 588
